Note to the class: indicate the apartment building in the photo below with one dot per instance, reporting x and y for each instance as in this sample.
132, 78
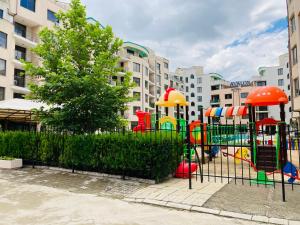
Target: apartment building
20, 22
151, 76
294, 43
235, 93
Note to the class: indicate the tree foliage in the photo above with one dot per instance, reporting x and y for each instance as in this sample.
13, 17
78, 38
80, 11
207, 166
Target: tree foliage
79, 59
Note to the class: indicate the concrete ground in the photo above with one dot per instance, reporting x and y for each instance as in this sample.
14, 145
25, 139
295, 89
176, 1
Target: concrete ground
49, 197
258, 200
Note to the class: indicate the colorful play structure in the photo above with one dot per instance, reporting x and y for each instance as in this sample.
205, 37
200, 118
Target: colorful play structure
265, 152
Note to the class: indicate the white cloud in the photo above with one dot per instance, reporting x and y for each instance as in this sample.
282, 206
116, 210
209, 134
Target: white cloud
194, 32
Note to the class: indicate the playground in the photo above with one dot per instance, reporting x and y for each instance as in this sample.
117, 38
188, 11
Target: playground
220, 146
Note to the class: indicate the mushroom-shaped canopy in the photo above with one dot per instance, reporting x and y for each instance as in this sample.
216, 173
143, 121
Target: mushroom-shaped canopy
172, 98
268, 95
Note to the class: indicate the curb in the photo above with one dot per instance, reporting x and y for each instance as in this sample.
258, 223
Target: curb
96, 174
223, 213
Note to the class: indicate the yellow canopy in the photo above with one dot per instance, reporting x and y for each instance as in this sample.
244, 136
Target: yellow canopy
174, 98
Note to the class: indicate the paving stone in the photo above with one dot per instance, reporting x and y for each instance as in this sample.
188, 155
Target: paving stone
178, 196
278, 221
178, 206
260, 219
293, 222
154, 202
236, 215
205, 210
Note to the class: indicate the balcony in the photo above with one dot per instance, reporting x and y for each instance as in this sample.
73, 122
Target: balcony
28, 41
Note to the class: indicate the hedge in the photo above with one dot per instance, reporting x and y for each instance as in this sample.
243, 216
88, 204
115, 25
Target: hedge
152, 155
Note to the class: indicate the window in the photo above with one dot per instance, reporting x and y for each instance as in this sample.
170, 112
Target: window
3, 40
166, 87
146, 71
137, 96
171, 83
19, 78
146, 84
192, 94
186, 79
228, 96
51, 16
293, 24
199, 80
2, 93
28, 4
158, 68
192, 103
280, 71
20, 53
193, 113
2, 67
192, 86
166, 76
261, 83
19, 95
158, 79
136, 67
192, 76
1, 13
200, 107
288, 76
137, 81
199, 89
187, 98
166, 65
289, 98
228, 105
186, 89
135, 108
289, 87
130, 52
146, 98
244, 95
296, 87
287, 65
199, 98
294, 55
20, 29
280, 82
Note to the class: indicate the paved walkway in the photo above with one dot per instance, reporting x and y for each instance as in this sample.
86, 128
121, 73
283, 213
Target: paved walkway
44, 197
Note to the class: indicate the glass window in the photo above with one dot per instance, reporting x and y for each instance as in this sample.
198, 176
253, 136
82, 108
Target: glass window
130, 52
137, 96
244, 95
146, 84
199, 89
28, 4
261, 83
186, 79
199, 98
136, 67
2, 67
135, 108
51, 16
166, 65
2, 93
3, 40
192, 103
19, 95
158, 67
280, 71
192, 76
228, 105
186, 89
192, 94
19, 78
166, 76
294, 55
146, 98
296, 87
1, 13
20, 53
228, 96
199, 80
166, 87
20, 29
192, 86
288, 76
137, 81
280, 82
193, 113
293, 24
146, 71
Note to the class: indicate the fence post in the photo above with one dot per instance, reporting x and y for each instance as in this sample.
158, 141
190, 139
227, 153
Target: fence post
251, 122
188, 145
283, 152
202, 136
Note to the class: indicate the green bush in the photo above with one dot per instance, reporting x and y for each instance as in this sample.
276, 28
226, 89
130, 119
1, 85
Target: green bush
152, 155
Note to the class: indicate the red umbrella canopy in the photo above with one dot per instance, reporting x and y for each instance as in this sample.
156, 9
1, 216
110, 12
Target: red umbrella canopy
268, 95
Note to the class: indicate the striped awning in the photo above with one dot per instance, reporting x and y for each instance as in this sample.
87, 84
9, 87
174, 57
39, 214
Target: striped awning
226, 111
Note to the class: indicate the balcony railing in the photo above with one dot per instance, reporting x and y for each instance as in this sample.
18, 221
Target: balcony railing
215, 101
19, 81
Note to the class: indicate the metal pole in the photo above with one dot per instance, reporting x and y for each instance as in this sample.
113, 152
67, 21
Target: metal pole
188, 145
283, 152
157, 117
251, 132
202, 135
178, 118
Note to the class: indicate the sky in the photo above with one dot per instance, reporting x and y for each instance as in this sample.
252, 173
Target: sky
229, 37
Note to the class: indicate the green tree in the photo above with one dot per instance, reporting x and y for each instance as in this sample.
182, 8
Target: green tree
79, 60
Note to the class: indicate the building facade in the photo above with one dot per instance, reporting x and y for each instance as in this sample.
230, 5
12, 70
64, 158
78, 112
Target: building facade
20, 22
